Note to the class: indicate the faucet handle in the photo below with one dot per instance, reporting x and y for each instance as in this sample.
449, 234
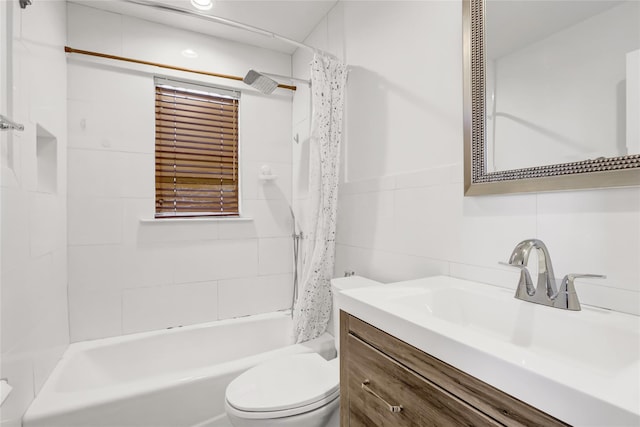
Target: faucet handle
568, 288
567, 281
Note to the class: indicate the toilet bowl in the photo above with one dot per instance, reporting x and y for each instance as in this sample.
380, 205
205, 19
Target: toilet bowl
300, 390
296, 390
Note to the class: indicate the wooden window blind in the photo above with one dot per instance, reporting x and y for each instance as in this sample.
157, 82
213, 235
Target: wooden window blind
196, 152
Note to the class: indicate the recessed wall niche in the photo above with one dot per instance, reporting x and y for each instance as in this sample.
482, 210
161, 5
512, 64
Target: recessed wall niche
47, 160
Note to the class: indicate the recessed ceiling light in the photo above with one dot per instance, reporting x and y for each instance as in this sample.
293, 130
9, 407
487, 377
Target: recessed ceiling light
189, 53
202, 4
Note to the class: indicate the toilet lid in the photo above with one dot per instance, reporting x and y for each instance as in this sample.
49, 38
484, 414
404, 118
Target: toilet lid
285, 383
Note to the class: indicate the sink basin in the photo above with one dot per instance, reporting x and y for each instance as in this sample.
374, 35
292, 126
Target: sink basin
582, 367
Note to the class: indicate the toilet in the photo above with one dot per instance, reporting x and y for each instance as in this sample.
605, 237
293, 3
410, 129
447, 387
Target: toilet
298, 390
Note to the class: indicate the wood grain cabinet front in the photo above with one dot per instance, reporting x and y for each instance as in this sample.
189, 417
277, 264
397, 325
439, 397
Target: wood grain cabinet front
386, 382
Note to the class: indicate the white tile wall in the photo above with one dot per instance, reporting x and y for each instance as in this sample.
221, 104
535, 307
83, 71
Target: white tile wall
401, 211
272, 217
220, 259
128, 273
94, 314
96, 267
275, 255
34, 327
46, 213
264, 138
96, 220
160, 307
238, 229
93, 29
240, 297
596, 231
411, 228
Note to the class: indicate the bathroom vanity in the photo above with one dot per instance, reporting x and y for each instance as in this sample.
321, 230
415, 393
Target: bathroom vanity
387, 382
442, 351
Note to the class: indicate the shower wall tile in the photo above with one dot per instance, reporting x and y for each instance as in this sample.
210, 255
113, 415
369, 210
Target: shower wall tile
15, 306
48, 339
116, 246
94, 314
275, 255
220, 259
162, 307
269, 293
94, 221
255, 188
146, 266
249, 182
106, 86
21, 372
46, 214
157, 43
300, 169
302, 98
33, 279
137, 172
301, 66
94, 29
44, 26
123, 131
96, 268
91, 173
268, 137
15, 227
278, 188
245, 229
156, 232
272, 218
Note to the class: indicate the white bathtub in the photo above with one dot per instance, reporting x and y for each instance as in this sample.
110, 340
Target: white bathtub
174, 377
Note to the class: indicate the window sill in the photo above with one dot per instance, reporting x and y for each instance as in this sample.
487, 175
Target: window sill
183, 220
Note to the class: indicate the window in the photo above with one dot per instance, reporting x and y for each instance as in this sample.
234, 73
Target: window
196, 150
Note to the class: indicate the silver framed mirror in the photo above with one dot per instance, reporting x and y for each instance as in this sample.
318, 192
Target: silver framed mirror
480, 176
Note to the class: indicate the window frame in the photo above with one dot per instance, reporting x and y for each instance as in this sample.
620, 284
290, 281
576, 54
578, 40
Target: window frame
210, 90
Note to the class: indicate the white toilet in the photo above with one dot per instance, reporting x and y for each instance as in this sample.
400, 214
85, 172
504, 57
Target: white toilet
300, 390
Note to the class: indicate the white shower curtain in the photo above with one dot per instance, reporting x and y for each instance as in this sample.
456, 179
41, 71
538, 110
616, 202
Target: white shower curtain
313, 307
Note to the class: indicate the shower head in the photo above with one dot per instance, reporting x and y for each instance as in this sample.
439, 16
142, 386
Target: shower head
261, 82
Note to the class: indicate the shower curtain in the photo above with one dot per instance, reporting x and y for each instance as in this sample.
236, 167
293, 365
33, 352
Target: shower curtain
313, 307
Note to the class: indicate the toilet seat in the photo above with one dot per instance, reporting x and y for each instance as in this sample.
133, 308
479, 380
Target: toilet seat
287, 386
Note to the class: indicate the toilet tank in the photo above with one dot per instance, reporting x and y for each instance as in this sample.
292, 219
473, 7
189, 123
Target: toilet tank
343, 284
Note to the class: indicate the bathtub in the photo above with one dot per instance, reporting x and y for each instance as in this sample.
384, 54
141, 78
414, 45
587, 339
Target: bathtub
173, 377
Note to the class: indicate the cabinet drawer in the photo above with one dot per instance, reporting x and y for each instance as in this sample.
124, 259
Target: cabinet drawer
389, 383
486, 400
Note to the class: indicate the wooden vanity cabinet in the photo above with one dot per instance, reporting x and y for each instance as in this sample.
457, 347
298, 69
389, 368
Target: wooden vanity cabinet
379, 373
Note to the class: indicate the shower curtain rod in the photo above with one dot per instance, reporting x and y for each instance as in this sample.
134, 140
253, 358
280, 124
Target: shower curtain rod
228, 22
68, 49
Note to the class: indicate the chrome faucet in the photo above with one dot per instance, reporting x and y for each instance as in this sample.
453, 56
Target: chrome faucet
545, 292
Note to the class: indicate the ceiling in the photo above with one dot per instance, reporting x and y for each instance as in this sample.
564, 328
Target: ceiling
293, 19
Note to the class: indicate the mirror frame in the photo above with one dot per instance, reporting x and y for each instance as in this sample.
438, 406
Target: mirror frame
599, 173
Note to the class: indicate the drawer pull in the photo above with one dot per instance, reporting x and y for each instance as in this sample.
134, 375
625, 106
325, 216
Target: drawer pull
392, 408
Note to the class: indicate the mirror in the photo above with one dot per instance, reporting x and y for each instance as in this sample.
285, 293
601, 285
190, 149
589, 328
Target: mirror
551, 95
